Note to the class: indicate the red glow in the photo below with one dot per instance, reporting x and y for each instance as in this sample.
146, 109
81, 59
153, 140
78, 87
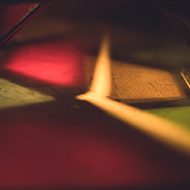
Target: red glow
50, 62
62, 151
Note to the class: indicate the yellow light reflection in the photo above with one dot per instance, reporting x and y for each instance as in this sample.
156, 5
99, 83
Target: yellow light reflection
170, 133
101, 84
12, 95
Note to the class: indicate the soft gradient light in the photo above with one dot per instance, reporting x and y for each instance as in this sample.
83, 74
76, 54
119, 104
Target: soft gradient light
48, 62
170, 133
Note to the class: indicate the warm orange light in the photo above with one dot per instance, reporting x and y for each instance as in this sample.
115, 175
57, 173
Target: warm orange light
101, 84
172, 134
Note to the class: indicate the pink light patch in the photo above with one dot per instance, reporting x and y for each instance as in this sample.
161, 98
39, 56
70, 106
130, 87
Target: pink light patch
52, 62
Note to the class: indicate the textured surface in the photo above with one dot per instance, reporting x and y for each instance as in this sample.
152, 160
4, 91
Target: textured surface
49, 139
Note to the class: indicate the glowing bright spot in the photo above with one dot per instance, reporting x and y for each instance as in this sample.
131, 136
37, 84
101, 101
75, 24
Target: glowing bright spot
52, 63
101, 83
172, 134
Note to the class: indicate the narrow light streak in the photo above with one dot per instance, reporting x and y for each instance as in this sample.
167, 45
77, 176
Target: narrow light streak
101, 84
170, 133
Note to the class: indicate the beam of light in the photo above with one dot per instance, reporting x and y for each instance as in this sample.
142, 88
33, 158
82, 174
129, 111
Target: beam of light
170, 133
101, 84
